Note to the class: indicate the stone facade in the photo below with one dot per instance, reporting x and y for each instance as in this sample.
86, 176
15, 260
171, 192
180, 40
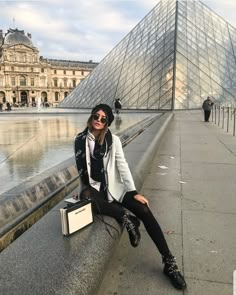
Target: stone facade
26, 77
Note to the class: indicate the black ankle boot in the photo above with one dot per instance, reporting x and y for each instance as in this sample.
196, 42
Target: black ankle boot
171, 270
134, 219
132, 223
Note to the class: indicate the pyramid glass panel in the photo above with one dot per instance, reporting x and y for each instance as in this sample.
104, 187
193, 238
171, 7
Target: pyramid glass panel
180, 53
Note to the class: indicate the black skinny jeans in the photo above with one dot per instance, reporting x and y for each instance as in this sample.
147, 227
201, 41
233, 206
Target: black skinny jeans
117, 211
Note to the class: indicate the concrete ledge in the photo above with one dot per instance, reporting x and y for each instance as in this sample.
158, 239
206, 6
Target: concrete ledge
42, 261
144, 147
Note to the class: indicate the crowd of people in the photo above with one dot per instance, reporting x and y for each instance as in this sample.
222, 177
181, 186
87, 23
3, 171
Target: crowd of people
7, 106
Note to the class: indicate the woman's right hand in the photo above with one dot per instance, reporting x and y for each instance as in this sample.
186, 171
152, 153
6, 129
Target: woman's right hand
141, 199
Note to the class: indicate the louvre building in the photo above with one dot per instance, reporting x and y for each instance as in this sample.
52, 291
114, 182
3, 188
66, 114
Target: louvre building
175, 57
26, 77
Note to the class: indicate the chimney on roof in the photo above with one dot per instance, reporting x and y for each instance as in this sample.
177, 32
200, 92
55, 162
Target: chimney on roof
29, 35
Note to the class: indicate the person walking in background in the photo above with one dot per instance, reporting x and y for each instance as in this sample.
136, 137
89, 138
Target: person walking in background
106, 180
39, 103
8, 106
207, 107
118, 106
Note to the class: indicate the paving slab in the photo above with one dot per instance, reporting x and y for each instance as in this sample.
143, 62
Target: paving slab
209, 248
196, 196
208, 288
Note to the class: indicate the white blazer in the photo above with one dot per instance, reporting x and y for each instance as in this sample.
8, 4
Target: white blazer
118, 176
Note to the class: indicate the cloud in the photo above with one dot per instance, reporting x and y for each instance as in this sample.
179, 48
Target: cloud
225, 9
67, 25
82, 29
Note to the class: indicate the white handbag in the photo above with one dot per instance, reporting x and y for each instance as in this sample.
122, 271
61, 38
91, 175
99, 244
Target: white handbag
76, 216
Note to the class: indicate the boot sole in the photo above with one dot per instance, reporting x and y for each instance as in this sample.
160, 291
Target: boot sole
175, 285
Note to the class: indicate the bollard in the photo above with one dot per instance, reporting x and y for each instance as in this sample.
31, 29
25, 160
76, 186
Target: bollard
234, 124
223, 117
215, 114
228, 119
212, 115
219, 117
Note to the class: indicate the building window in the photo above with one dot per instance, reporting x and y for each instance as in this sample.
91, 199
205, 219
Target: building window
43, 82
73, 72
21, 58
13, 81
42, 70
32, 69
12, 69
65, 83
82, 73
22, 81
31, 81
64, 72
65, 94
56, 96
74, 83
55, 71
55, 83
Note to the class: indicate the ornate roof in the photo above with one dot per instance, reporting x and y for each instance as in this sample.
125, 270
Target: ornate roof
71, 63
15, 36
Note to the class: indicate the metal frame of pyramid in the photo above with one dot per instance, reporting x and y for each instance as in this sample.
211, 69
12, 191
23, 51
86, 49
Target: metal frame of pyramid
176, 56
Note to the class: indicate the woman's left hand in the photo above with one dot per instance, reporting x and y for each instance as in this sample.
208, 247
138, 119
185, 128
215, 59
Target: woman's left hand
141, 199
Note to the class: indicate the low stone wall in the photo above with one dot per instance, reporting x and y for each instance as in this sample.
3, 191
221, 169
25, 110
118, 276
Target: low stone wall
19, 212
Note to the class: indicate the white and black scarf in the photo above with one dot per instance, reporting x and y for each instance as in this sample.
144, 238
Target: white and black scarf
97, 153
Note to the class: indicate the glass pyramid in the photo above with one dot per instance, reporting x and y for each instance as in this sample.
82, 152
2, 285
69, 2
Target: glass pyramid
180, 53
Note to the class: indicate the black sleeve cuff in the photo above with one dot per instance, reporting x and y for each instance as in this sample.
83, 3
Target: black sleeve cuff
132, 193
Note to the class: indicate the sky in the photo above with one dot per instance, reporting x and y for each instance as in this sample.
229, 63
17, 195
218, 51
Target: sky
84, 30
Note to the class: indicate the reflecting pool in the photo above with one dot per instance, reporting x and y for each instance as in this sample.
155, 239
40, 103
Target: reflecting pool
32, 143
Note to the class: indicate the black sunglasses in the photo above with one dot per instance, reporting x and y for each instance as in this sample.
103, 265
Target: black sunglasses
96, 118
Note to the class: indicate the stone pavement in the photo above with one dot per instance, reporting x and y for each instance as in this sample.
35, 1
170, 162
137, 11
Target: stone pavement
194, 201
